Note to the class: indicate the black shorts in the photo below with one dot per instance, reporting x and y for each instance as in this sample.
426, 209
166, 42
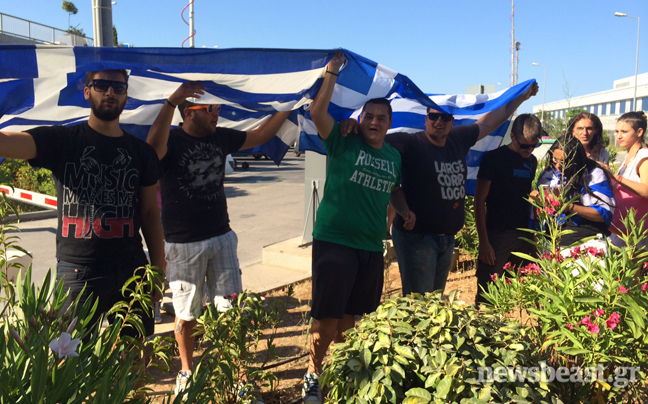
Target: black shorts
345, 280
104, 282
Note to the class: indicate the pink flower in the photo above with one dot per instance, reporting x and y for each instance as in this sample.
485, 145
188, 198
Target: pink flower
585, 321
613, 321
597, 252
644, 287
593, 328
575, 252
598, 312
645, 265
570, 326
622, 289
531, 268
507, 266
234, 295
494, 277
522, 280
507, 281
547, 256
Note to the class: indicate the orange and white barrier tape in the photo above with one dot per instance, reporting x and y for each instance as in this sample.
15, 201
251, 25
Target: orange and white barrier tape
33, 198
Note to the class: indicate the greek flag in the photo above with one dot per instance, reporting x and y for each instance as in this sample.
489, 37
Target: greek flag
43, 85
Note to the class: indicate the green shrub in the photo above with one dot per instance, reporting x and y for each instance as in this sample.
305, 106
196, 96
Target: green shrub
230, 364
422, 349
21, 175
583, 308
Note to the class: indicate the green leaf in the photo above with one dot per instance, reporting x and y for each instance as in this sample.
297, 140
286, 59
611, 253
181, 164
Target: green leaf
419, 392
404, 351
444, 387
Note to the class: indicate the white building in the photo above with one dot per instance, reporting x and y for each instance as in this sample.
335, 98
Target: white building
608, 105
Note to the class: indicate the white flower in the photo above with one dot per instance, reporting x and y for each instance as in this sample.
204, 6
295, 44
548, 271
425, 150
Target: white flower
64, 345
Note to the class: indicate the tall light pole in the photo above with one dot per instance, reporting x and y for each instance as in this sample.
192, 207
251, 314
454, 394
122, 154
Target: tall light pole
617, 14
544, 89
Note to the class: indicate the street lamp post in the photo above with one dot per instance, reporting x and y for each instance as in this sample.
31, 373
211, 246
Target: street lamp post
544, 89
634, 100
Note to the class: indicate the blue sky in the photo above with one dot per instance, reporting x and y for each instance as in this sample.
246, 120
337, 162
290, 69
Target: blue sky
441, 46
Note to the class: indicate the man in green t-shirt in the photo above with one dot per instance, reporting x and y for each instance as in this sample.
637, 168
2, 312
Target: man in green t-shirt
362, 173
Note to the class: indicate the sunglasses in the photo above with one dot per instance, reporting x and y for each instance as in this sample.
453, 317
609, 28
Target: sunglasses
211, 108
433, 116
103, 85
526, 146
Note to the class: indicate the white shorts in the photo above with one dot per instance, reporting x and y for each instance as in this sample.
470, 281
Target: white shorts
189, 264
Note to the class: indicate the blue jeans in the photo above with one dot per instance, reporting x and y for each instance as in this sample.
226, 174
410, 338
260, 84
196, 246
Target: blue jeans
424, 260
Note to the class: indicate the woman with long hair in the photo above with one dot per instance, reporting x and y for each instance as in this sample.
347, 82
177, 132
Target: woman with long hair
571, 174
588, 129
632, 176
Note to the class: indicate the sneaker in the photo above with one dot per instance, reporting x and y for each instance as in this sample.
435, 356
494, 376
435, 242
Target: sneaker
158, 315
182, 380
311, 392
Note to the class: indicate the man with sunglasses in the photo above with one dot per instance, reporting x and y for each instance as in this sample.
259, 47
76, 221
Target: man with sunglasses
501, 200
199, 243
434, 186
106, 181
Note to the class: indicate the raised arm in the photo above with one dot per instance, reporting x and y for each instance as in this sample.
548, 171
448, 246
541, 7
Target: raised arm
158, 135
17, 145
266, 131
492, 120
319, 109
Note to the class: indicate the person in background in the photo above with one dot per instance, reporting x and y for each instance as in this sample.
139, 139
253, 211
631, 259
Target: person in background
587, 128
633, 173
504, 181
571, 174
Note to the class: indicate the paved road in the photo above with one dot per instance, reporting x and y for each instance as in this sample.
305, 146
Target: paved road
265, 204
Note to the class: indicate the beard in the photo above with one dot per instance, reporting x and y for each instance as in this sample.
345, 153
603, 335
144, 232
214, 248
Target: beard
105, 112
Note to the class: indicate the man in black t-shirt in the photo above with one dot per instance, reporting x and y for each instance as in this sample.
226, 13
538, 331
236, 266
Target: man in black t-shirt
106, 182
434, 186
501, 200
199, 243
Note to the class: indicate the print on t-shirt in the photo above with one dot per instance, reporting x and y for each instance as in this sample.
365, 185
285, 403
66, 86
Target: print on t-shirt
202, 174
365, 177
98, 199
452, 179
523, 173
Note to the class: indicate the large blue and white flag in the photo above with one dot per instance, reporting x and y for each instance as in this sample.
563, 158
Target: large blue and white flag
43, 85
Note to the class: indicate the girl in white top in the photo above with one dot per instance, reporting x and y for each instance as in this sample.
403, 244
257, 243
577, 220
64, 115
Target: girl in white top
588, 129
633, 173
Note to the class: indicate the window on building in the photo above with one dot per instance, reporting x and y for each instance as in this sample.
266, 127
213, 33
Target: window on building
622, 107
644, 103
603, 109
612, 105
631, 106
